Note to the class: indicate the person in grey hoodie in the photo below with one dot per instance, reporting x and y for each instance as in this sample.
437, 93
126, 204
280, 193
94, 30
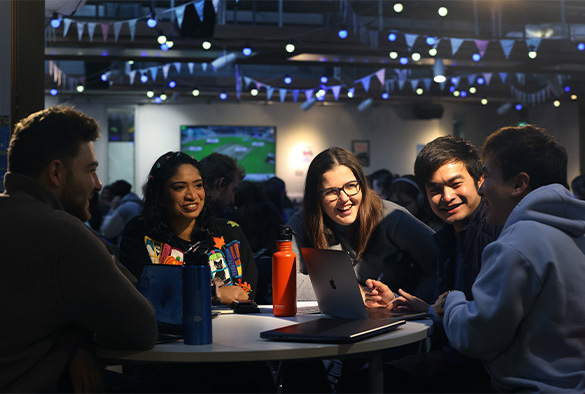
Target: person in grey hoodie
527, 319
125, 206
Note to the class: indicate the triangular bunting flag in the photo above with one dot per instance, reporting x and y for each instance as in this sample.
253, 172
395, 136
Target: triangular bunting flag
269, 91
533, 43
191, 65
295, 94
117, 28
282, 95
309, 94
177, 67
153, 72
520, 77
427, 82
166, 69
351, 92
131, 76
381, 74
410, 39
488, 78
91, 30
413, 84
204, 66
199, 5
336, 89
481, 46
80, 28
247, 81
471, 79
401, 84
507, 46
455, 81
215, 5
455, 44
366, 82
105, 30
66, 24
132, 26
503, 77
180, 13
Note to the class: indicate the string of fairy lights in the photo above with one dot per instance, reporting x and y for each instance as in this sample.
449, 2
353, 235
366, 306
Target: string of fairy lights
475, 81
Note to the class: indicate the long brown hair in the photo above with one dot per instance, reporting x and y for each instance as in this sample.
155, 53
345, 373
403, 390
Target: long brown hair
369, 211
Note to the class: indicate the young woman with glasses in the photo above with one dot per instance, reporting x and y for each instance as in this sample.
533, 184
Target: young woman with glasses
341, 211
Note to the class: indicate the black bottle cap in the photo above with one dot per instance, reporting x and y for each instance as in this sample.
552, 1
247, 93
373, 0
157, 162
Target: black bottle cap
196, 257
284, 233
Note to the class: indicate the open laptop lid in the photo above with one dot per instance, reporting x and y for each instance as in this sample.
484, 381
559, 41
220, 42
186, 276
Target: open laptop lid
334, 282
337, 290
162, 285
327, 330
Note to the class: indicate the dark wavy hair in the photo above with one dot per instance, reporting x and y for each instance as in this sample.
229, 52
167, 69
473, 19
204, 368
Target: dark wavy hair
528, 149
53, 133
316, 222
443, 150
155, 217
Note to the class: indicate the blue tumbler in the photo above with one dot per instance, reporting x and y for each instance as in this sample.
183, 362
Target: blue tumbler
196, 299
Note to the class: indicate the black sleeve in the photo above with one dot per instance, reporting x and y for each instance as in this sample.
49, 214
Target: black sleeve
133, 253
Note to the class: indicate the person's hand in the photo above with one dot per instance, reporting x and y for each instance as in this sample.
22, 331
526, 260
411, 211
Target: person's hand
408, 302
229, 294
439, 305
85, 373
376, 294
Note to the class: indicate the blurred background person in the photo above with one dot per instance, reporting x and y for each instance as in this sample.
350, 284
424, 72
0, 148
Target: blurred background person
578, 187
259, 220
405, 191
380, 181
222, 176
275, 190
124, 206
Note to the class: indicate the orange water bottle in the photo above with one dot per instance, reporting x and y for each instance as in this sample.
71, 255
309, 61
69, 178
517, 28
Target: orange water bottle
284, 275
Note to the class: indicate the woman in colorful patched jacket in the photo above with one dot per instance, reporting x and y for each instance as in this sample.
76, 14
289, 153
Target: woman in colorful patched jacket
176, 219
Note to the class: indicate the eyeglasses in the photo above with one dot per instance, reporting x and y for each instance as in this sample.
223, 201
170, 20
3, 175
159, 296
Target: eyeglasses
332, 193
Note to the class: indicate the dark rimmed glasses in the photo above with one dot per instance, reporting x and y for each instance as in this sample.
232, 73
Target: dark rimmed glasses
331, 194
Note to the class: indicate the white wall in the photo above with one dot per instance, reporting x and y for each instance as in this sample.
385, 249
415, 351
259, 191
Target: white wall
393, 141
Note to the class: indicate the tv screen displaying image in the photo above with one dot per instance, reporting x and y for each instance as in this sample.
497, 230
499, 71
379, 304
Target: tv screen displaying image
252, 146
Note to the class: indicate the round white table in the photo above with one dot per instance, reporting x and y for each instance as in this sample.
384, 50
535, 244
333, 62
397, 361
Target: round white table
236, 338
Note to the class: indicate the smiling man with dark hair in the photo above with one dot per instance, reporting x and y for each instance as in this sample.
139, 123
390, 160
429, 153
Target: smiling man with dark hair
527, 319
59, 285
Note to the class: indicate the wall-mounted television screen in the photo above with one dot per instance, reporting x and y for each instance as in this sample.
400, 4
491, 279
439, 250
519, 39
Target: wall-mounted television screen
253, 147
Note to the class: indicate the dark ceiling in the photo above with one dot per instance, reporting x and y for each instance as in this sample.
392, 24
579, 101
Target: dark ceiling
360, 62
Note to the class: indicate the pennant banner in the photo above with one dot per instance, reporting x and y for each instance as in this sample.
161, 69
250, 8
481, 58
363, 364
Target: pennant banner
91, 30
105, 30
336, 89
481, 46
455, 44
410, 39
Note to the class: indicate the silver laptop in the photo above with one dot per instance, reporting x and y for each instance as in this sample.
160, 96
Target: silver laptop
337, 289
